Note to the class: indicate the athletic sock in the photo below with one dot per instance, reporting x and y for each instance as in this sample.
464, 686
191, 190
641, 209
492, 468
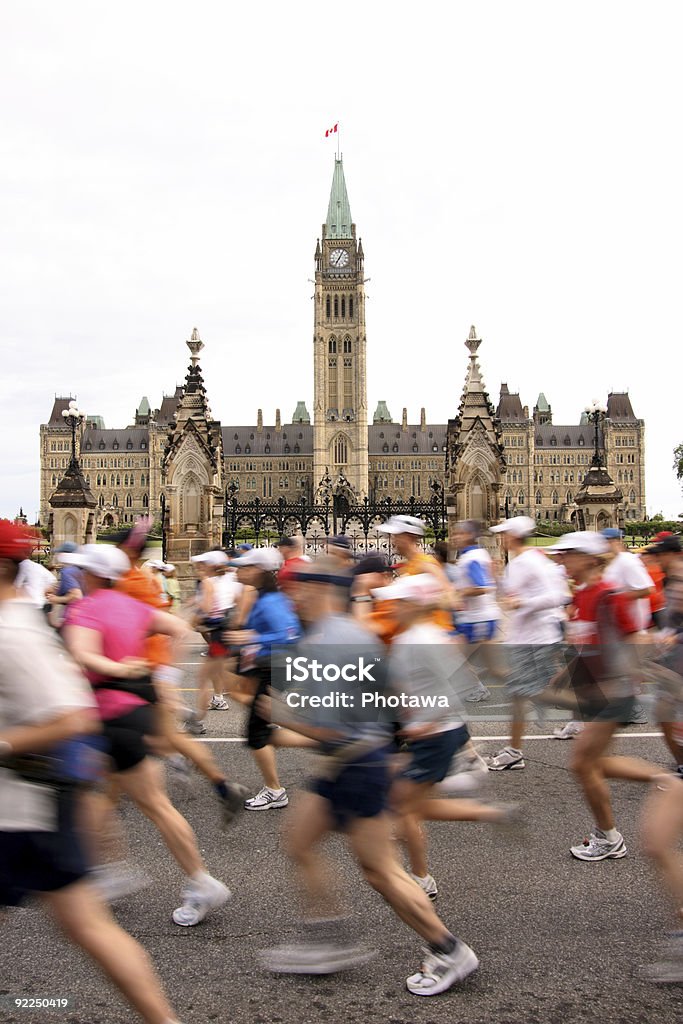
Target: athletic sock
611, 835
221, 789
422, 878
447, 944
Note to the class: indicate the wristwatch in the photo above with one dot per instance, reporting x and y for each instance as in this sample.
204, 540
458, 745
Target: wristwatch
5, 750
362, 597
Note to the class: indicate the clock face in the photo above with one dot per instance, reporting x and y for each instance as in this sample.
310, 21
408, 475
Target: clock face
339, 257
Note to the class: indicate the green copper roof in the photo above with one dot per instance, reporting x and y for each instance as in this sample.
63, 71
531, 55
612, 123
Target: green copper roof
301, 414
542, 403
338, 223
382, 414
144, 409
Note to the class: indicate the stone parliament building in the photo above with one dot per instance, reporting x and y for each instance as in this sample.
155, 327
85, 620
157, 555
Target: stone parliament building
490, 461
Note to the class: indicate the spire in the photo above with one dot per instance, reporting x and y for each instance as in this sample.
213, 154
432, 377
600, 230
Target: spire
474, 381
338, 223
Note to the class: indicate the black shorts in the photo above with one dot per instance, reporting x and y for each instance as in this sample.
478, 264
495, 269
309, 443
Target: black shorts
125, 737
259, 730
359, 791
616, 709
41, 861
430, 758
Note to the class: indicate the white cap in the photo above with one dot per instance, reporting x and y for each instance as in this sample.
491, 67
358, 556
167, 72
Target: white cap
403, 524
103, 560
518, 526
212, 558
268, 559
586, 541
423, 588
155, 563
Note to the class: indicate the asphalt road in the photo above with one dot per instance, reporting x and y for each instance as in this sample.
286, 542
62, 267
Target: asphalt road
559, 941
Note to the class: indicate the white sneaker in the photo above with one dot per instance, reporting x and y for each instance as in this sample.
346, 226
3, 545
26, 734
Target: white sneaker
465, 776
199, 898
427, 884
505, 759
218, 703
598, 847
266, 799
315, 958
568, 731
441, 970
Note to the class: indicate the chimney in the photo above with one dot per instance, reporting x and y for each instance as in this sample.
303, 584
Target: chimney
423, 419
278, 424
404, 419
259, 420
525, 412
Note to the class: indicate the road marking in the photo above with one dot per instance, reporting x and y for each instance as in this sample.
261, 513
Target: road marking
548, 736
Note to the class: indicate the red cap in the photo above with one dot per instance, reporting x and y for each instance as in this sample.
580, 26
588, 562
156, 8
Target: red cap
660, 536
16, 541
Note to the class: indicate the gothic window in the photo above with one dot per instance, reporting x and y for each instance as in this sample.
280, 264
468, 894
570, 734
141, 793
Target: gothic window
347, 344
145, 500
336, 306
569, 498
125, 480
54, 480
350, 307
538, 497
555, 498
332, 344
101, 501
630, 477
343, 307
340, 451
118, 480
632, 496
115, 501
327, 307
620, 477
520, 498
129, 501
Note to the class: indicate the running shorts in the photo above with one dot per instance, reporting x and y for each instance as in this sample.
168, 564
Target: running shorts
430, 758
475, 632
259, 730
125, 737
532, 666
358, 791
42, 861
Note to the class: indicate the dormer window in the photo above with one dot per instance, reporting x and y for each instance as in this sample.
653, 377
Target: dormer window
251, 437
539, 442
581, 441
236, 438
247, 450
286, 449
101, 446
129, 444
435, 447
115, 446
553, 441
296, 449
143, 444
267, 449
415, 448
238, 449
394, 447
88, 445
385, 447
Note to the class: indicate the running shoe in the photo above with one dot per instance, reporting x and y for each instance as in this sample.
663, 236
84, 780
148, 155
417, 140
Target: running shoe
668, 970
199, 899
466, 774
598, 847
266, 799
315, 957
441, 970
180, 768
117, 880
427, 884
482, 693
218, 703
193, 725
506, 759
568, 731
233, 803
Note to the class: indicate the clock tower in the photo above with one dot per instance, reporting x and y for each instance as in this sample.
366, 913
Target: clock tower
340, 417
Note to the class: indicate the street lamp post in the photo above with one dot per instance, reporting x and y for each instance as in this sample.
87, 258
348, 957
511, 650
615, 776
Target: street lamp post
595, 413
162, 506
73, 416
231, 503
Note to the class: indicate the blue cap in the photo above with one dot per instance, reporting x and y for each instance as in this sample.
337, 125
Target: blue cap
245, 547
612, 533
67, 548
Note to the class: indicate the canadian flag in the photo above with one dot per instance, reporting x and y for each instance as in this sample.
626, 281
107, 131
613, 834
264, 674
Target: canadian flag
331, 131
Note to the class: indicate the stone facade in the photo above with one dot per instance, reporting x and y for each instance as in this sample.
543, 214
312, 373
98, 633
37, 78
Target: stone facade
512, 461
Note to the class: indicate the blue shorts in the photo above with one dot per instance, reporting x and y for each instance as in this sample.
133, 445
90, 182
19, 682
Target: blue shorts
475, 632
431, 757
359, 791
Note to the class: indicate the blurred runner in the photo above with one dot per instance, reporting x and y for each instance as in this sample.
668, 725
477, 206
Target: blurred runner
45, 703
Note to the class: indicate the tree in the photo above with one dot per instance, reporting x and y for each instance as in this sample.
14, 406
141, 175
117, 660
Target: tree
678, 462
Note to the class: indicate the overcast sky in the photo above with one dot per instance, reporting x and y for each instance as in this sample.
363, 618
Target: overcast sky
516, 166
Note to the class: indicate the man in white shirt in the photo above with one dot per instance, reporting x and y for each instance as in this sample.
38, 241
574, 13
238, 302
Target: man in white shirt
534, 594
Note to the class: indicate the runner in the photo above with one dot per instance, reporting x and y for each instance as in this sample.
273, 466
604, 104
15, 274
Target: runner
106, 633
45, 702
218, 595
601, 668
350, 795
533, 595
271, 622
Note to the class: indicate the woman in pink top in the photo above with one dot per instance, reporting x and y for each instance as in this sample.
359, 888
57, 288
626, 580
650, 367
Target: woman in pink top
106, 634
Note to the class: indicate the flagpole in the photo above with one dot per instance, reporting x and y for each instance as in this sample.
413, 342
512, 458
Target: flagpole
338, 141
